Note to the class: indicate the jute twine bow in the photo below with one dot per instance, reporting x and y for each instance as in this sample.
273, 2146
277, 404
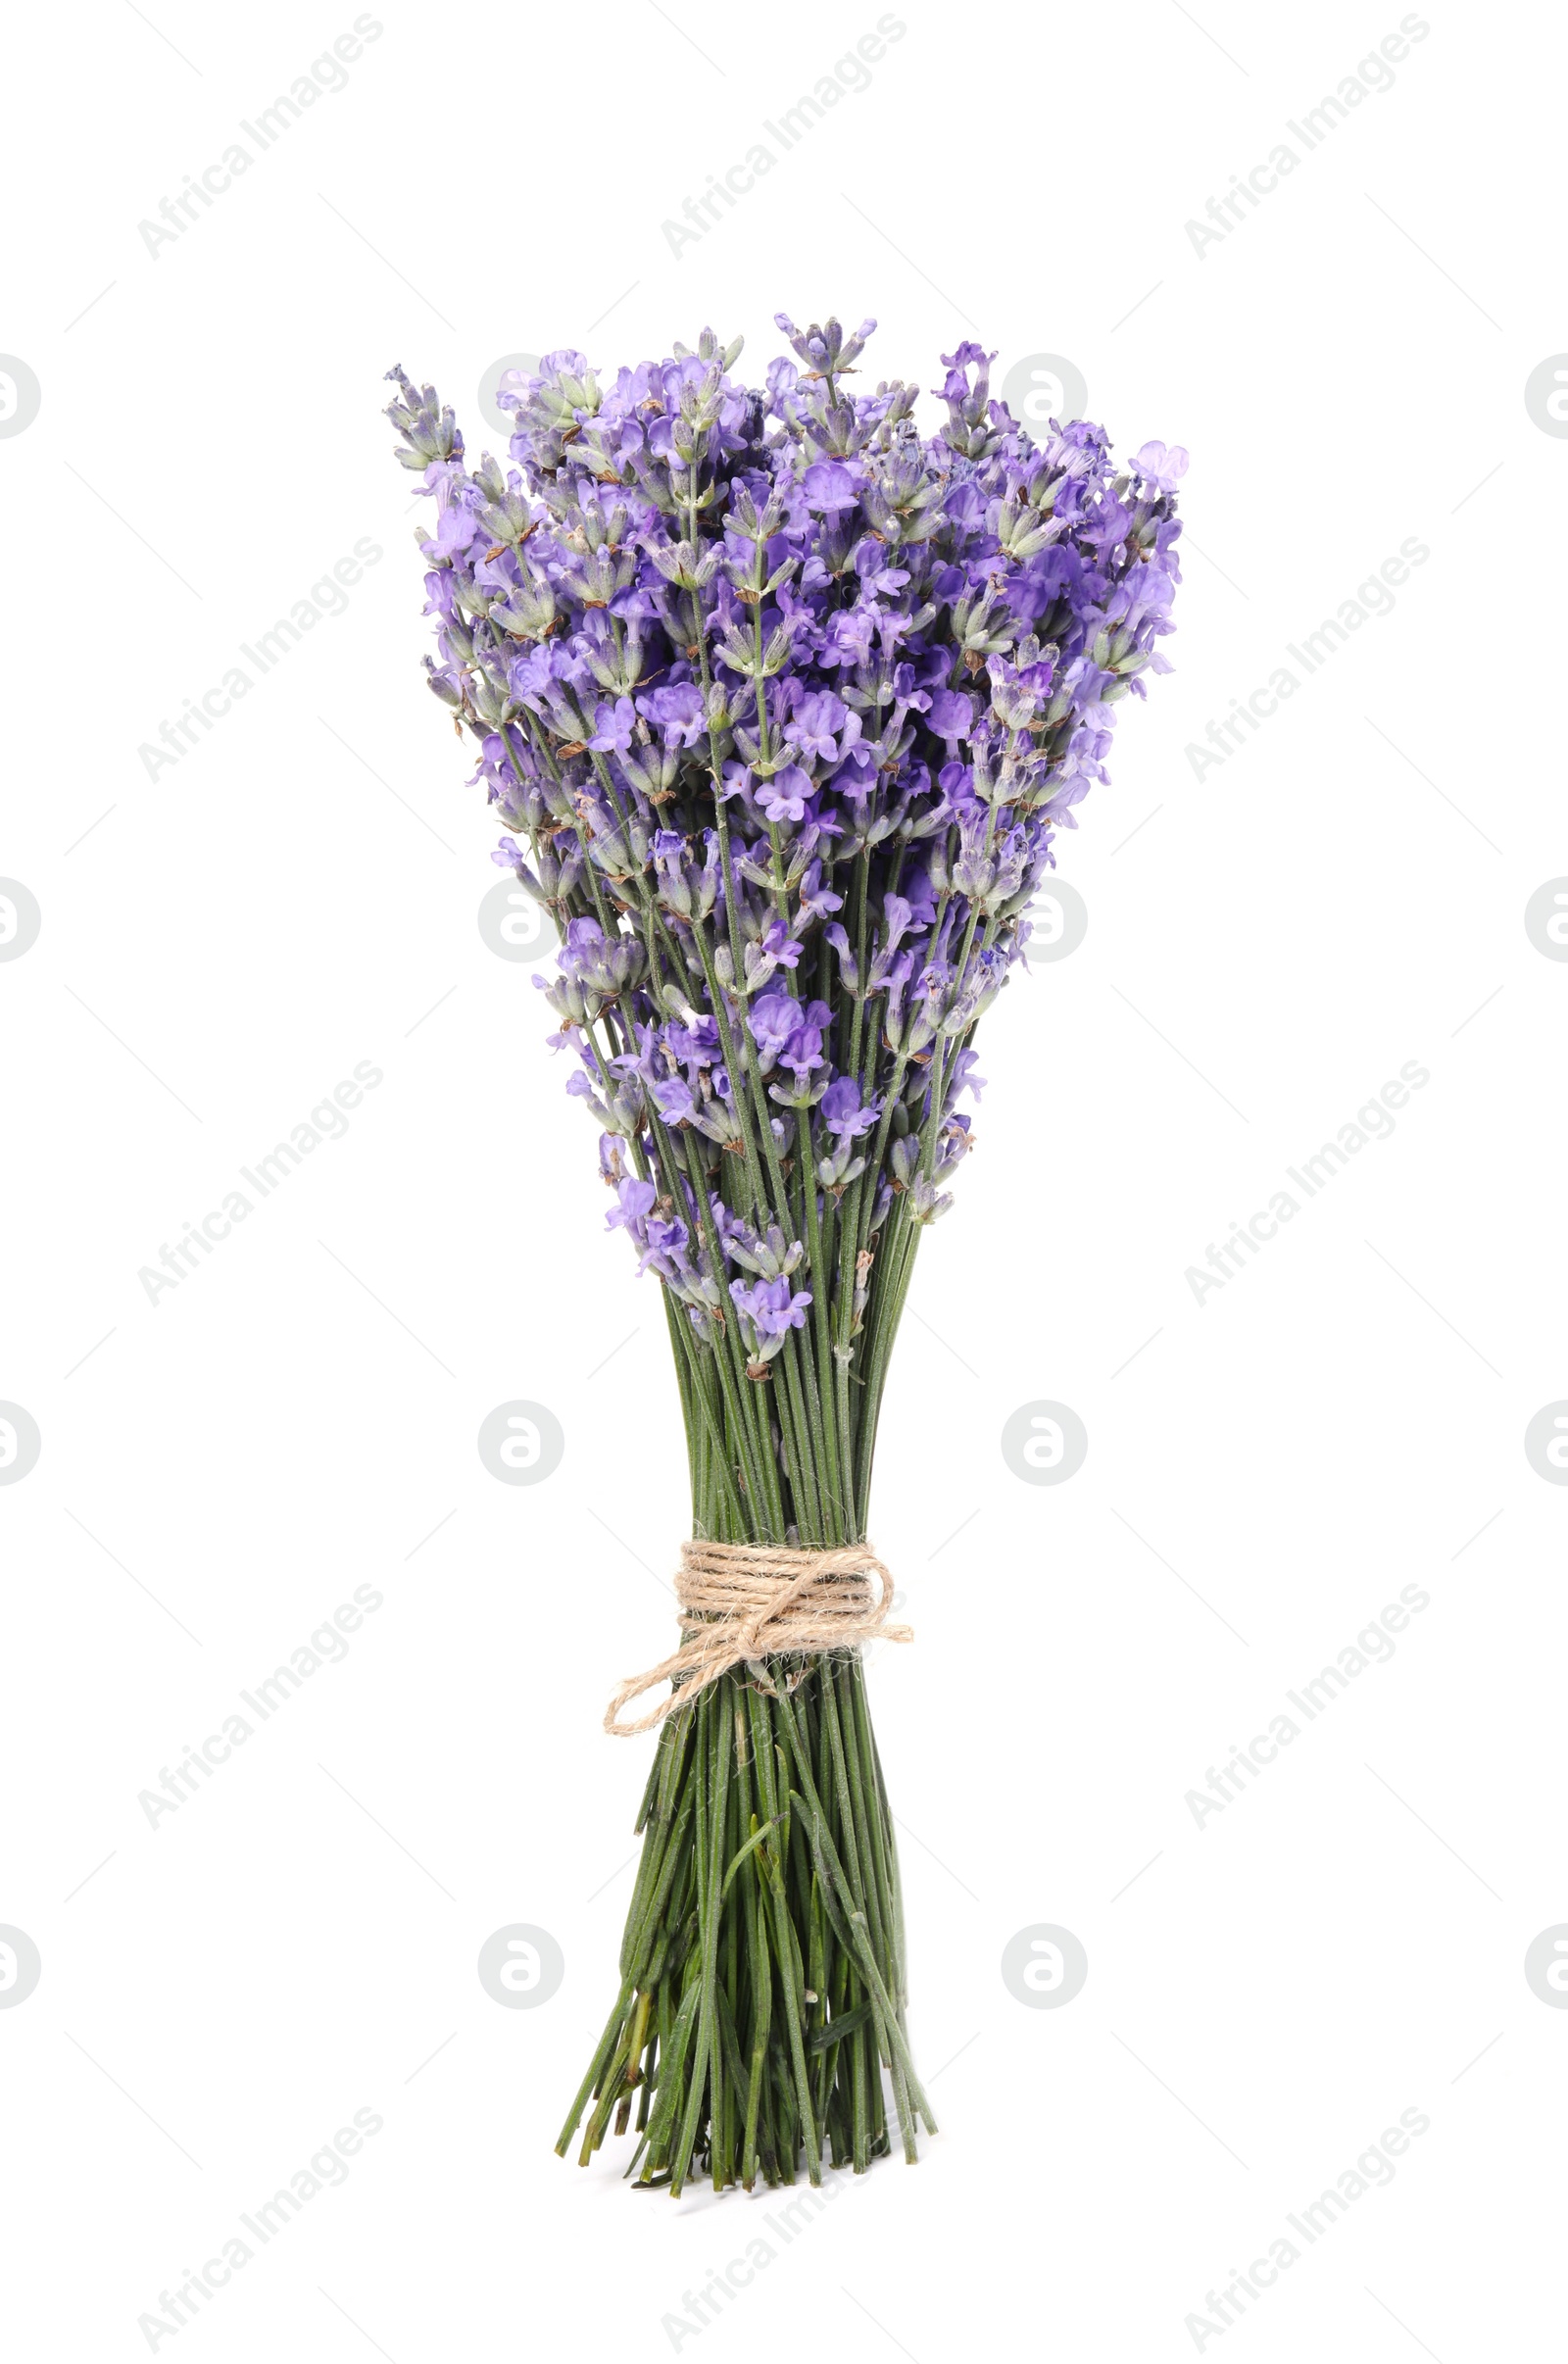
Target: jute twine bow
744, 1602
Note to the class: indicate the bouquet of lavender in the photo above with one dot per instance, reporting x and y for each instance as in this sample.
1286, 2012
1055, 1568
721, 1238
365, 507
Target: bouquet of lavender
780, 706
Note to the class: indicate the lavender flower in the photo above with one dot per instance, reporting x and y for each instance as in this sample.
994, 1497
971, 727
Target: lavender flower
782, 707
767, 1311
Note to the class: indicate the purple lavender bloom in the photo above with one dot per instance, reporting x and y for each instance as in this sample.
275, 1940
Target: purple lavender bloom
636, 1201
952, 714
857, 777
964, 1078
772, 1306
849, 637
1161, 470
614, 726
841, 1112
848, 966
816, 724
768, 1312
665, 1248
672, 1097
774, 1020
695, 1044
783, 797
779, 946
802, 1053
456, 529
829, 486
875, 568
677, 714
783, 706
815, 896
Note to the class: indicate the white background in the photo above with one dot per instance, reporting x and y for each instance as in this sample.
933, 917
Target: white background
1265, 1470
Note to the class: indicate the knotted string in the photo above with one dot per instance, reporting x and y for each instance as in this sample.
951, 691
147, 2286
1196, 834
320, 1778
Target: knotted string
746, 1603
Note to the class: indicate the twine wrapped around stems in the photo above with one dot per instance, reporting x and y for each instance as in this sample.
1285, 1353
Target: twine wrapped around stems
744, 1602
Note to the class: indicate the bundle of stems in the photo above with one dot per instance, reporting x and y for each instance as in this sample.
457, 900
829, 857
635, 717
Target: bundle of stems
763, 1984
760, 2015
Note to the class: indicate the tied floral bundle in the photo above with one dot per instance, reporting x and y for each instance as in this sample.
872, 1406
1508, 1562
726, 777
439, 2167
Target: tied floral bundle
780, 705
